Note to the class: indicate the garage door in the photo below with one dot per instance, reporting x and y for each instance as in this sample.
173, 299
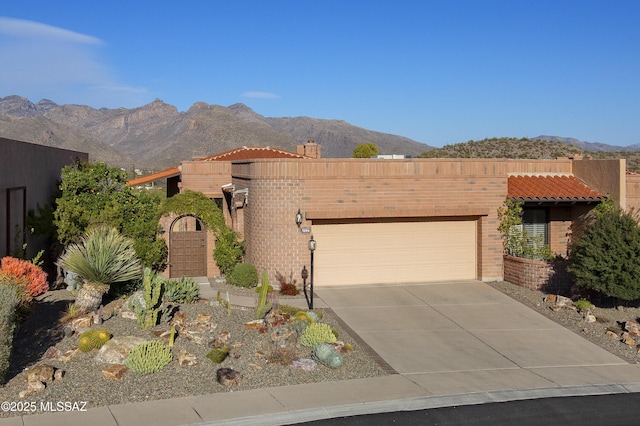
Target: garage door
394, 252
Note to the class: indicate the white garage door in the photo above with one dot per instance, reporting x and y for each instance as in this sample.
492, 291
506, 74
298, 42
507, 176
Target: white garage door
394, 252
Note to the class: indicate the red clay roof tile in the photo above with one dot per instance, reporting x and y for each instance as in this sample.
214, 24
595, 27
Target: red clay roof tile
250, 153
550, 188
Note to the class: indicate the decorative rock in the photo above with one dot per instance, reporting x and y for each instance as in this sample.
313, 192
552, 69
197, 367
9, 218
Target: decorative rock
254, 325
204, 318
280, 335
38, 376
632, 327
221, 340
627, 340
194, 336
40, 373
128, 315
590, 318
187, 359
115, 371
52, 353
163, 334
228, 376
68, 355
611, 334
305, 364
81, 322
179, 319
116, 350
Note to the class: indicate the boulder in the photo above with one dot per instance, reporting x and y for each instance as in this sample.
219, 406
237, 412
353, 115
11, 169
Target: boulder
117, 349
115, 371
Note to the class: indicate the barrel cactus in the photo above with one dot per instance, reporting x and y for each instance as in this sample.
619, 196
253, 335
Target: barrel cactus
327, 355
317, 333
93, 339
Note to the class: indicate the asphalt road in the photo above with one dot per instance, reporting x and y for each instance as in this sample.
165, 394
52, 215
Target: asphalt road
609, 410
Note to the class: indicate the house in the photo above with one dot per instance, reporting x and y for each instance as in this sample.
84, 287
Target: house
398, 220
29, 175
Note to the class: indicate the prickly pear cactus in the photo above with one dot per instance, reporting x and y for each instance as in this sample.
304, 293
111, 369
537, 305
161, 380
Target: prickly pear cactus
327, 355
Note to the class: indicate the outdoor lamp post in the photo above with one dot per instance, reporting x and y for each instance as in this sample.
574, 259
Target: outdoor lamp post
299, 218
312, 248
305, 275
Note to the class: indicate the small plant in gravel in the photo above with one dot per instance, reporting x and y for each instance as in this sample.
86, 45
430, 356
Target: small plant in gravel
583, 304
282, 356
72, 312
147, 313
218, 355
148, 357
183, 290
316, 334
288, 285
327, 355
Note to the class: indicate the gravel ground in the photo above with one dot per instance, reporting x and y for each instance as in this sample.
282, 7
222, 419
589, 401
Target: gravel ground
83, 379
609, 317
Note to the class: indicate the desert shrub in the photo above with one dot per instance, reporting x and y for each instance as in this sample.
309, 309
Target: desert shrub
244, 275
183, 290
288, 285
36, 278
583, 304
282, 356
9, 301
606, 257
229, 250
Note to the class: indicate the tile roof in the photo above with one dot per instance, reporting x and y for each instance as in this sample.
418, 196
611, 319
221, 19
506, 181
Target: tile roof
250, 153
550, 188
244, 153
171, 171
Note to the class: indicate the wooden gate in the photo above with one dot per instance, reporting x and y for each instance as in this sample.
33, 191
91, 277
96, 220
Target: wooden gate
187, 246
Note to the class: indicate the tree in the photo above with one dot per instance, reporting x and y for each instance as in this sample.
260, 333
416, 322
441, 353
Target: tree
95, 194
606, 257
365, 150
102, 257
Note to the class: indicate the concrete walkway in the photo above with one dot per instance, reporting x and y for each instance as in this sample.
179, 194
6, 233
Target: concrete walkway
449, 343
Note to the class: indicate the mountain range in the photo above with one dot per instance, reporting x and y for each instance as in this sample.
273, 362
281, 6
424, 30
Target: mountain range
157, 135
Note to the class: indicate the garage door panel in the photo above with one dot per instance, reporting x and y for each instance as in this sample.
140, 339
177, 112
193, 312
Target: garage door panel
396, 252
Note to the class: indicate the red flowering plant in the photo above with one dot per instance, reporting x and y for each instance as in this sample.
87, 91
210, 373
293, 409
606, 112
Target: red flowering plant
288, 285
31, 276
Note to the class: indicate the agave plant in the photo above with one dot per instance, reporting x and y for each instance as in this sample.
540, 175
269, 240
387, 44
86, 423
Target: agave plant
103, 257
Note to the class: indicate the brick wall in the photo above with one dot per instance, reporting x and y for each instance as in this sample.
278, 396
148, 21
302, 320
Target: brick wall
360, 189
551, 277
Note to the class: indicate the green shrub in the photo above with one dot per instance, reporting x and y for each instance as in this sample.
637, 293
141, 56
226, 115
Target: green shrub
9, 301
183, 290
229, 250
583, 305
148, 357
606, 257
244, 275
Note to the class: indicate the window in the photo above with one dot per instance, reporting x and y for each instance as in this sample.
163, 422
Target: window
536, 224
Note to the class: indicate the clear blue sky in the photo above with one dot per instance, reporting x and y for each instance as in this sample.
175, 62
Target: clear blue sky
439, 72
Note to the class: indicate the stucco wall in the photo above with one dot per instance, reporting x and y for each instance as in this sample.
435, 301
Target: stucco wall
36, 167
606, 176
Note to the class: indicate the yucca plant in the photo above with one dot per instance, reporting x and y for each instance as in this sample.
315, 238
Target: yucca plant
102, 257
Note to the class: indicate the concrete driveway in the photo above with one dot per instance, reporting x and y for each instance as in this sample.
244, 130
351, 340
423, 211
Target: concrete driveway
461, 337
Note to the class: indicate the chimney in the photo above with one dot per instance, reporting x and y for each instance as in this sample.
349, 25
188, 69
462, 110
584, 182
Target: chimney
309, 149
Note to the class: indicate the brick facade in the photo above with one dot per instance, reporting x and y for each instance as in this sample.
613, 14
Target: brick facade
551, 277
349, 190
